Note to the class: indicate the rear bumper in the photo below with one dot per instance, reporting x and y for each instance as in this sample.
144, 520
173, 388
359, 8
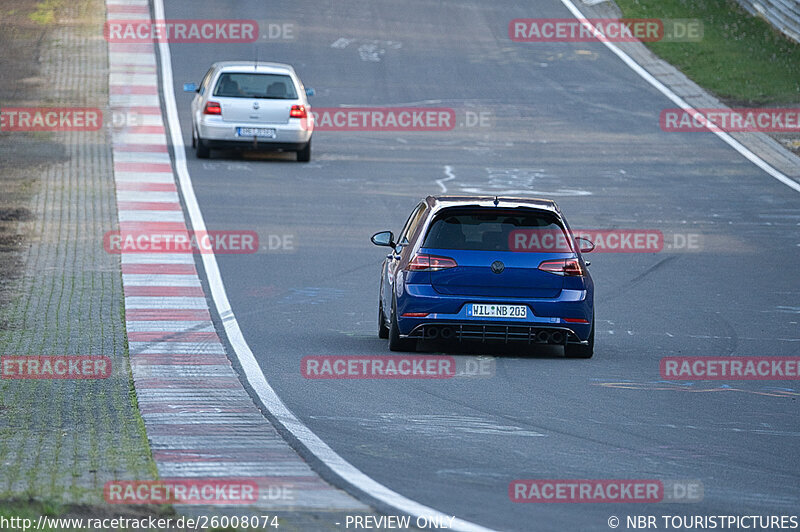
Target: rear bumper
450, 312
495, 332
217, 133
253, 145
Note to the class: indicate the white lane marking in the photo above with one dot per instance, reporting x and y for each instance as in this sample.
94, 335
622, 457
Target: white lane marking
680, 102
341, 42
212, 347
147, 195
369, 50
255, 377
124, 137
157, 258
448, 171
159, 279
169, 326
150, 216
145, 157
128, 58
132, 100
132, 78
165, 302
138, 177
520, 182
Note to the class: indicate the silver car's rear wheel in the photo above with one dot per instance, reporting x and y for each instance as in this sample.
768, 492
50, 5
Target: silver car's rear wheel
201, 150
304, 155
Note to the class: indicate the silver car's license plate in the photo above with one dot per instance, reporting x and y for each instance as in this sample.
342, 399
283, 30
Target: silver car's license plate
255, 132
482, 310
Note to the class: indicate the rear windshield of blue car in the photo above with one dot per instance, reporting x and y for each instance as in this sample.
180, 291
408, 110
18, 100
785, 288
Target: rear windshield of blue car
244, 85
492, 229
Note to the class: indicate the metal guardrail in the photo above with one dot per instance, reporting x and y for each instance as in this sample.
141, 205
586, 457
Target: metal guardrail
783, 14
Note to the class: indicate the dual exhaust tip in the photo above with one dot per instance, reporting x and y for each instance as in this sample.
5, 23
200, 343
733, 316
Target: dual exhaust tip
444, 333
548, 337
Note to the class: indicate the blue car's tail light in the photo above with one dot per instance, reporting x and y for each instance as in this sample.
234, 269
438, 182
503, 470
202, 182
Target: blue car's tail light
430, 263
569, 267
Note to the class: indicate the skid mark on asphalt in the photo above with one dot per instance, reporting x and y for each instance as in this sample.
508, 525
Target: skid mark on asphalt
313, 295
434, 426
705, 336
726, 426
639, 278
692, 387
472, 476
786, 309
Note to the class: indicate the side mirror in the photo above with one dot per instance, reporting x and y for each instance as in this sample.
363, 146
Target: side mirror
190, 87
384, 238
310, 92
584, 244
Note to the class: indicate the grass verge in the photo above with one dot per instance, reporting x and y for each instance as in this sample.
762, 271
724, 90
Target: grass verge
742, 59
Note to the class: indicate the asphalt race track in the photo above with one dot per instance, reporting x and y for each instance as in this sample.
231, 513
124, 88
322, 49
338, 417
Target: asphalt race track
569, 121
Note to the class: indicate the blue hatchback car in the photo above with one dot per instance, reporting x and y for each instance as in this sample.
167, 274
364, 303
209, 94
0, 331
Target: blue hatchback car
486, 269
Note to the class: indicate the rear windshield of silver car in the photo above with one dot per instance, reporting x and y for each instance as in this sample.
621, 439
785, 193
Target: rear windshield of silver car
247, 85
492, 229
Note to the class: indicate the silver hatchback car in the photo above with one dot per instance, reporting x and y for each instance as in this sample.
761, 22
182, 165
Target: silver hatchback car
249, 105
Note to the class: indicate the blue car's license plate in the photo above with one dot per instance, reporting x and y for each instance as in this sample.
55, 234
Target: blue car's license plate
482, 310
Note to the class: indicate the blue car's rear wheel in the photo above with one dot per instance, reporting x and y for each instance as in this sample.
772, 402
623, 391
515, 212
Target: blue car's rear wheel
581, 350
395, 342
383, 330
